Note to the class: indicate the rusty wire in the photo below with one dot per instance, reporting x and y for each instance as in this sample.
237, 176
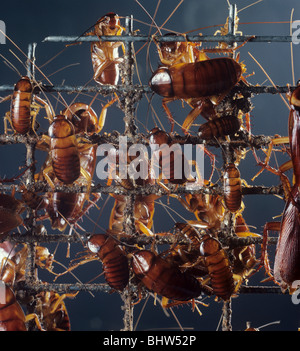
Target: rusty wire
129, 91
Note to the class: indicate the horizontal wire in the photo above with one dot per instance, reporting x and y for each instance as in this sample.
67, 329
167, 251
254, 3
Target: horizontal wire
180, 38
142, 89
37, 286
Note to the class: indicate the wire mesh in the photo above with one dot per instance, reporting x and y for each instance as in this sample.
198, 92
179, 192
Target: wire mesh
132, 94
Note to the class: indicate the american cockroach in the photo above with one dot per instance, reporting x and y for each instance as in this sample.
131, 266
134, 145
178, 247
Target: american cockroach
232, 187
113, 258
244, 257
83, 118
143, 204
164, 278
287, 258
70, 161
53, 311
12, 317
218, 265
10, 211
171, 159
24, 108
105, 54
197, 80
218, 127
64, 152
207, 208
63, 208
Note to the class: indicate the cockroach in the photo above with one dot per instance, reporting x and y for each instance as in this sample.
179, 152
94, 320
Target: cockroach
186, 255
244, 257
143, 204
12, 317
53, 311
287, 258
218, 265
113, 258
174, 52
207, 208
200, 81
232, 187
64, 208
65, 159
24, 108
10, 213
164, 278
83, 118
190, 232
172, 161
105, 54
219, 127
143, 213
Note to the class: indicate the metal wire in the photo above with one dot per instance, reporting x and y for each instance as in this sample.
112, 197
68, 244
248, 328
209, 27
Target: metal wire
31, 283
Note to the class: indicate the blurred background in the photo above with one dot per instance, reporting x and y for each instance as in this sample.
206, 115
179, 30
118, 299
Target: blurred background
28, 22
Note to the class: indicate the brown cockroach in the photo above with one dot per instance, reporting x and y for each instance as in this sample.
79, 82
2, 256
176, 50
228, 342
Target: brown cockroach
232, 187
113, 258
287, 258
24, 108
64, 208
207, 208
65, 159
196, 82
218, 127
169, 154
143, 204
219, 267
12, 317
164, 278
10, 213
65, 147
244, 257
105, 54
83, 118
52, 309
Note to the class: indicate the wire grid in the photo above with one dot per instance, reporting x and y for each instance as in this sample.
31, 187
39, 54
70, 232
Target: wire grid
131, 94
